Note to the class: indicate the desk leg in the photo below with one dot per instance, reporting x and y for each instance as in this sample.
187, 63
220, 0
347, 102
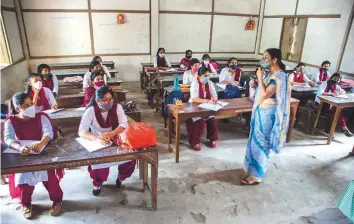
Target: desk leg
319, 109
145, 174
170, 126
334, 125
141, 168
154, 185
178, 126
293, 111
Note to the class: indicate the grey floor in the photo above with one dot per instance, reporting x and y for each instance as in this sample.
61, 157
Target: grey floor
302, 185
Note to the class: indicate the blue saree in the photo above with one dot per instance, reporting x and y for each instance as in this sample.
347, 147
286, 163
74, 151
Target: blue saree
269, 125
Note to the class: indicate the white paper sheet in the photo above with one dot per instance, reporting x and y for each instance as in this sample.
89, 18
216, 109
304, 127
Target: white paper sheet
92, 146
81, 108
222, 86
24, 143
342, 96
50, 111
213, 107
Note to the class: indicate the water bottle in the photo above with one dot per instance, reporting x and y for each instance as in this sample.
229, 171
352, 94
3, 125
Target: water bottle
176, 83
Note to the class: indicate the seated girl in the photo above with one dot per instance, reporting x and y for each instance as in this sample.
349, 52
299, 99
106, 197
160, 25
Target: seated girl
186, 60
192, 73
104, 68
94, 65
103, 120
206, 63
22, 119
298, 76
323, 74
48, 79
202, 91
331, 88
96, 82
42, 97
160, 60
231, 74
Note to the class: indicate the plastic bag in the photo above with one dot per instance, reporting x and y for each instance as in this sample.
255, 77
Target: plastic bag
346, 202
138, 135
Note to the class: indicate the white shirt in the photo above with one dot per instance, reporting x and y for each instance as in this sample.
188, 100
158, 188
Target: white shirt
188, 78
322, 87
87, 79
225, 76
292, 75
316, 77
211, 68
50, 97
55, 84
194, 91
166, 59
30, 178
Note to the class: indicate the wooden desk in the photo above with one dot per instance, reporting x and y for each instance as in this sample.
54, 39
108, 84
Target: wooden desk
73, 65
339, 103
234, 108
61, 74
68, 153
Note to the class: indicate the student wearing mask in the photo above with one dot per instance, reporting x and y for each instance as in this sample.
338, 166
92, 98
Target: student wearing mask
94, 65
206, 63
48, 79
104, 68
231, 74
191, 74
42, 97
102, 121
331, 88
202, 91
323, 74
160, 60
186, 60
22, 119
96, 82
298, 76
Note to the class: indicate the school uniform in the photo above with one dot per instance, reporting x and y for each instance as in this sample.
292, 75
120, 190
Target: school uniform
210, 67
87, 79
89, 93
22, 184
226, 76
188, 78
324, 88
321, 76
45, 99
161, 62
299, 78
52, 84
184, 63
195, 126
97, 122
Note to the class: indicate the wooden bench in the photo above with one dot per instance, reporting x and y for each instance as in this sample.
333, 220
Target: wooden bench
61, 74
307, 114
75, 65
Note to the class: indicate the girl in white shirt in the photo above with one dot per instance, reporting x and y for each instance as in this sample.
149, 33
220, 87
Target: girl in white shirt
48, 79
202, 91
298, 76
323, 74
105, 69
103, 120
160, 60
191, 74
231, 74
186, 60
206, 63
94, 65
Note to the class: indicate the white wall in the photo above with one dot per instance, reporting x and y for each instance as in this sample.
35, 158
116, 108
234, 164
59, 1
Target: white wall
348, 57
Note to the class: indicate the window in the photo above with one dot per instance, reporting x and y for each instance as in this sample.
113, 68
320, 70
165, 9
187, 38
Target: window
5, 58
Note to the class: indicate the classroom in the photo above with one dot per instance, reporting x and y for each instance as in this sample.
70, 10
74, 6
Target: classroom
177, 111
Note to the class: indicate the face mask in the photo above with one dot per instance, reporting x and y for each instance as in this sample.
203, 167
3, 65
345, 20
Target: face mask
334, 82
265, 64
161, 55
233, 67
99, 84
189, 56
30, 112
205, 80
105, 106
46, 76
301, 71
206, 62
195, 70
38, 85
325, 69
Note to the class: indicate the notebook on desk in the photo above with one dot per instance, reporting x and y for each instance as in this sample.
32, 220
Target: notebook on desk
92, 146
51, 111
213, 107
25, 143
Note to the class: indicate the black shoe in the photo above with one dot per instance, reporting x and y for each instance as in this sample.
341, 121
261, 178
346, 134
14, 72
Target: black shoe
118, 183
96, 192
347, 133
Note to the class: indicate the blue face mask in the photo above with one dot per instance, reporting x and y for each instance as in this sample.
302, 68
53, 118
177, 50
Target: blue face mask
206, 80
105, 106
265, 64
325, 69
233, 67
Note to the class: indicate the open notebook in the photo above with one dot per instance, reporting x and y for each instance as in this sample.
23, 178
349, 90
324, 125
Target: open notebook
213, 107
92, 146
50, 111
25, 143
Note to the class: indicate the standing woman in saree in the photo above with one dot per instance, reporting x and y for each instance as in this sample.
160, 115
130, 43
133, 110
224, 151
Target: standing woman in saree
270, 116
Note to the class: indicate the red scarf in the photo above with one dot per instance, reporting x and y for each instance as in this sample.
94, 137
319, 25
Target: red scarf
48, 83
201, 92
333, 88
89, 93
112, 117
185, 62
42, 99
161, 62
237, 74
323, 75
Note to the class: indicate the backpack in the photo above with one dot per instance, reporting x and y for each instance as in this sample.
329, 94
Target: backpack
170, 99
232, 91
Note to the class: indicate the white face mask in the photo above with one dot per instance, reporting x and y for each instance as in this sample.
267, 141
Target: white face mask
161, 55
30, 111
206, 62
38, 85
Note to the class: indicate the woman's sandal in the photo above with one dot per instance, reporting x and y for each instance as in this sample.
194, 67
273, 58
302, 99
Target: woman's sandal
250, 181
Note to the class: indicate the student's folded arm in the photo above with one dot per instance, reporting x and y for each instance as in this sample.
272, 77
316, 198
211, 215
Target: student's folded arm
86, 121
56, 84
10, 136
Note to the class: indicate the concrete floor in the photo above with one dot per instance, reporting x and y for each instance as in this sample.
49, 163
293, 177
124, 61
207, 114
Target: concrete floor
302, 185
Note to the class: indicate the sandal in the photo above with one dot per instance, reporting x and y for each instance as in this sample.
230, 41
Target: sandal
27, 212
250, 181
55, 209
